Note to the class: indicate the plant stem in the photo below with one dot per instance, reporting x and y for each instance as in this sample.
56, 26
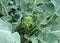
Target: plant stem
4, 8
53, 14
50, 18
34, 6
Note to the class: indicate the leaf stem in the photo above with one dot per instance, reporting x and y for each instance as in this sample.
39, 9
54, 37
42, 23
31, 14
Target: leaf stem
34, 6
4, 8
53, 14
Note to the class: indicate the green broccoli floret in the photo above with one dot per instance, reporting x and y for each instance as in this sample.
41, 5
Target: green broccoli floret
28, 23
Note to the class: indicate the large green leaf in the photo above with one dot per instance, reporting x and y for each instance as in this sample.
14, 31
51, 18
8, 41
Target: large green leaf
56, 3
51, 38
49, 8
58, 11
56, 33
56, 24
33, 39
42, 18
4, 25
57, 6
8, 37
